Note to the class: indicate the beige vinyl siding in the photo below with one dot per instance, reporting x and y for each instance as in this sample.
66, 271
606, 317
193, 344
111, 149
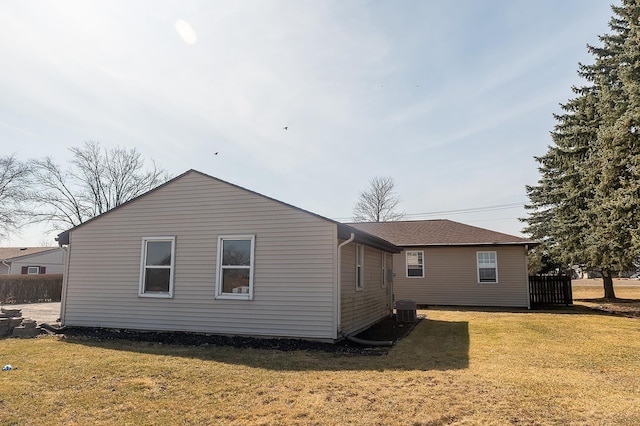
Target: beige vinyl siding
451, 278
294, 278
361, 308
52, 260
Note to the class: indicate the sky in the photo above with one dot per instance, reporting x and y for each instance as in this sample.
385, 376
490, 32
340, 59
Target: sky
452, 99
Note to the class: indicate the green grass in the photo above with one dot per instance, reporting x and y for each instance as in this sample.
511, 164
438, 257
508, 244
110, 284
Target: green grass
567, 366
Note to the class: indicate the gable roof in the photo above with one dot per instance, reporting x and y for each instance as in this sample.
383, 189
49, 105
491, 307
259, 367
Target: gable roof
440, 232
344, 231
9, 253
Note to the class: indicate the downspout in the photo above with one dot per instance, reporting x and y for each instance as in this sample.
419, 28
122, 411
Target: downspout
339, 282
364, 342
65, 282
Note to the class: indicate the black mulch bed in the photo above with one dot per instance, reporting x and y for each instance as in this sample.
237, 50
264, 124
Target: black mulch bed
386, 330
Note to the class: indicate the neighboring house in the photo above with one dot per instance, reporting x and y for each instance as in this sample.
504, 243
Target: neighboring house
450, 263
198, 254
31, 260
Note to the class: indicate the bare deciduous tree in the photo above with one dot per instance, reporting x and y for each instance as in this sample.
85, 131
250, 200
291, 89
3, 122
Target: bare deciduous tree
378, 203
97, 180
14, 180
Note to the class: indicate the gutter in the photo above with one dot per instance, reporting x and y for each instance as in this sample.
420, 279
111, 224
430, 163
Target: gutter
339, 283
529, 244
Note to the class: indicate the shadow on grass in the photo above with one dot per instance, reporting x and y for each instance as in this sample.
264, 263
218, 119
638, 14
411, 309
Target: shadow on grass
438, 345
431, 345
604, 300
629, 308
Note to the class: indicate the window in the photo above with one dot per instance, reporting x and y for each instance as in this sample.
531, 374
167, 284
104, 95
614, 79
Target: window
359, 266
487, 267
234, 278
415, 264
383, 279
33, 270
157, 267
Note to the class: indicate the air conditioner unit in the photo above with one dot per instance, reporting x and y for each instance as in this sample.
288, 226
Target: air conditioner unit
406, 310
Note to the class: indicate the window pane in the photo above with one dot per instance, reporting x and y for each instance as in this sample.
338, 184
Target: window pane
159, 253
487, 259
415, 264
359, 266
414, 272
157, 279
236, 252
414, 258
235, 280
487, 275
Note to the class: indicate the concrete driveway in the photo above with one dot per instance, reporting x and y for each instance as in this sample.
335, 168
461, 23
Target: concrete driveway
40, 312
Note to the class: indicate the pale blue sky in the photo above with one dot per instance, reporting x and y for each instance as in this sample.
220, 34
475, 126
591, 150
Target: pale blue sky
450, 98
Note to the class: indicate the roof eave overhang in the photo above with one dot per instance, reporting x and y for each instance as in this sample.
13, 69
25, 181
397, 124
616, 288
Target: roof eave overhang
24, 256
344, 232
529, 244
63, 238
361, 237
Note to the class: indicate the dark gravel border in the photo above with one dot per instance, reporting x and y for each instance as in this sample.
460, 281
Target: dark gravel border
387, 329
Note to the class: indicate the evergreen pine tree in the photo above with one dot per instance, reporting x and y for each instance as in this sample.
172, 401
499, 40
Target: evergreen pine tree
586, 206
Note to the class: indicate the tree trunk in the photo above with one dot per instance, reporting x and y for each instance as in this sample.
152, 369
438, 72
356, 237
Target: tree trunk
608, 285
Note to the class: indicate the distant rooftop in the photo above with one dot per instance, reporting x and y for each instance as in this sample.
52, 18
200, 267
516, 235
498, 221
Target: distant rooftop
440, 232
7, 253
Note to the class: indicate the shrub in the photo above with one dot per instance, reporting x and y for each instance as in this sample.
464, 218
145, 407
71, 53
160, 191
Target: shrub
30, 288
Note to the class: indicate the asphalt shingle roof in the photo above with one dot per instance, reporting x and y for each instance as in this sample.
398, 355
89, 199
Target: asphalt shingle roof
437, 232
7, 253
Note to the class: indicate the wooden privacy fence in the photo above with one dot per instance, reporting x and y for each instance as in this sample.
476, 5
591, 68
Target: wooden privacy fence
550, 290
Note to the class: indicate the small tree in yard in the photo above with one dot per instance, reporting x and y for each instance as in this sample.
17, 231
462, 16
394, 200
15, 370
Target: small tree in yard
378, 203
97, 180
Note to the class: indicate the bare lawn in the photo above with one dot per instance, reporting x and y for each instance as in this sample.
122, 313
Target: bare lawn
459, 366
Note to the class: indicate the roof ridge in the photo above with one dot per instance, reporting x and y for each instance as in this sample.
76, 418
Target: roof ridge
439, 232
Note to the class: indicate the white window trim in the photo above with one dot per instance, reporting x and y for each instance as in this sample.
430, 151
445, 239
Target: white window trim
237, 296
36, 268
359, 266
143, 266
495, 254
406, 263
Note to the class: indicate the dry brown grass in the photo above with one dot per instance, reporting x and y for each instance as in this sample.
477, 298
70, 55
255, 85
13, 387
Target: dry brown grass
569, 366
590, 293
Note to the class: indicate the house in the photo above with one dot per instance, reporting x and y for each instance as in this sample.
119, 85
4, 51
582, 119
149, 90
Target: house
449, 263
31, 260
198, 254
